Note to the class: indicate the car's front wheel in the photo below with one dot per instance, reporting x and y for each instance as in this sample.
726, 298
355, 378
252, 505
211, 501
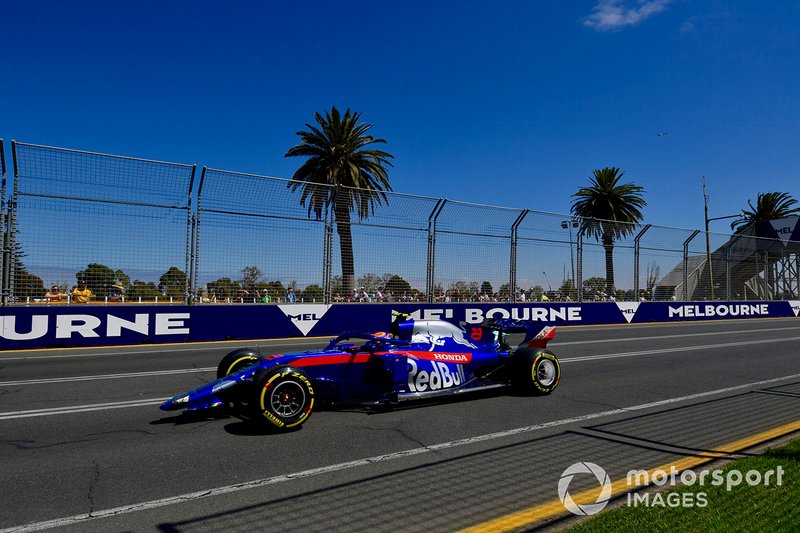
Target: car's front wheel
535, 371
236, 360
284, 398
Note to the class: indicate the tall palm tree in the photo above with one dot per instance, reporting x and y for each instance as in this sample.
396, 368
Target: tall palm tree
609, 211
341, 170
769, 206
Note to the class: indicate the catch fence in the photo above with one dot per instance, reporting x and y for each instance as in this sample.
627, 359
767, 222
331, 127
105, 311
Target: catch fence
135, 230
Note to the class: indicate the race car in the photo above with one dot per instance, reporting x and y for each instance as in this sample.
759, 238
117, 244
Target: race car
416, 359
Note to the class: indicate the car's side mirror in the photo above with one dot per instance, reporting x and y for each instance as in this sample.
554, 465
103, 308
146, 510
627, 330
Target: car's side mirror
350, 348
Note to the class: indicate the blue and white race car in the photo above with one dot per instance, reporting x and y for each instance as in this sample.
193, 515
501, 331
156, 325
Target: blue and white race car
416, 359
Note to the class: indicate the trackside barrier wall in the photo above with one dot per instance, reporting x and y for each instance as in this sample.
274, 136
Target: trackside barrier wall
39, 327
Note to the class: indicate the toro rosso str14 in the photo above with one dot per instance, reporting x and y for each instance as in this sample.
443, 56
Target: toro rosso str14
417, 359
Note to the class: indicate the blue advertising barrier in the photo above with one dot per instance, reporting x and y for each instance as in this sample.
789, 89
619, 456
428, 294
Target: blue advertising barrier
55, 326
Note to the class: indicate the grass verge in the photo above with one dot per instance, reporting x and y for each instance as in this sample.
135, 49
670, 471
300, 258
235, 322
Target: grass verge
744, 508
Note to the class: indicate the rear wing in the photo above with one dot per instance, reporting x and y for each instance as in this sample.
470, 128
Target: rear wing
535, 335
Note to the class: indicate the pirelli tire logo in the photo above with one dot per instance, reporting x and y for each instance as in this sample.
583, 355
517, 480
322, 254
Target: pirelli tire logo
295, 418
274, 419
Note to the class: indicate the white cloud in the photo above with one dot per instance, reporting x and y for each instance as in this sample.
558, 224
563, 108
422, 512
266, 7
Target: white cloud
609, 15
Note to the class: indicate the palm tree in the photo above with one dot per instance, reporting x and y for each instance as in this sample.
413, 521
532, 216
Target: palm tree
608, 212
769, 206
341, 170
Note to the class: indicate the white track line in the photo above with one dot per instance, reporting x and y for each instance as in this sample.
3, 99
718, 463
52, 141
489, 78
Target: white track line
80, 408
106, 376
658, 337
673, 350
218, 491
562, 360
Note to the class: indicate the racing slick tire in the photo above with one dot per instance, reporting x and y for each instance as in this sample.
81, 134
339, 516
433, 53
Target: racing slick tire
236, 360
283, 398
534, 371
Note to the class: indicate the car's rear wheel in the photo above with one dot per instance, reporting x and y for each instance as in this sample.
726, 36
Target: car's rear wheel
535, 371
236, 360
284, 398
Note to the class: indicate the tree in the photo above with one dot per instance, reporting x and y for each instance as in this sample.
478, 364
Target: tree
769, 206
372, 282
594, 285
486, 288
505, 291
457, 290
653, 275
337, 158
312, 293
398, 286
251, 275
275, 289
27, 285
222, 288
122, 278
98, 278
609, 211
174, 280
143, 290
336, 286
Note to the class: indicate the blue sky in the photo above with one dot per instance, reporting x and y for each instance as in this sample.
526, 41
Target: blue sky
504, 103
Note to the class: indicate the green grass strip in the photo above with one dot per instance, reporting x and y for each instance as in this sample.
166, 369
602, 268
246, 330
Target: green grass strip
744, 508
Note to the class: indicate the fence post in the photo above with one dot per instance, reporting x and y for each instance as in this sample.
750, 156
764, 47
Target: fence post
327, 252
431, 266
189, 288
11, 220
636, 248
197, 229
579, 264
686, 265
728, 288
3, 227
512, 271
765, 254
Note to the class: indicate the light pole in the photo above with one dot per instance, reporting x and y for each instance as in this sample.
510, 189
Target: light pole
546, 277
569, 224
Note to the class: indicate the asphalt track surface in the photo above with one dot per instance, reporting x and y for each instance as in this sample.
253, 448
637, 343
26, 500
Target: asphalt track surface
84, 447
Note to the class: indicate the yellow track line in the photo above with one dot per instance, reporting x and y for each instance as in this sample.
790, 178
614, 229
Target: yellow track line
539, 513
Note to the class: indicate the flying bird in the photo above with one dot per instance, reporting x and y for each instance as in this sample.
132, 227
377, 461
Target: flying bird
662, 133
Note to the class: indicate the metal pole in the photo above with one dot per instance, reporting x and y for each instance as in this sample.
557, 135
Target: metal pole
579, 262
429, 282
197, 229
11, 265
766, 275
188, 289
327, 259
636, 248
686, 263
3, 228
512, 277
708, 241
571, 254
728, 288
